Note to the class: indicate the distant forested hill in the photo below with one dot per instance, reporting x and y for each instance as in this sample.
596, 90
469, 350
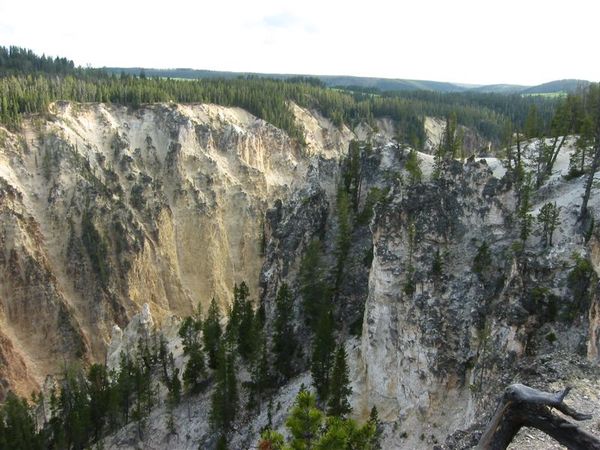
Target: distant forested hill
380, 84
29, 83
557, 86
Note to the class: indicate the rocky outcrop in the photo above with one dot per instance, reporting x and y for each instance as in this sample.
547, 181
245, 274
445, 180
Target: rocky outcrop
418, 341
593, 345
140, 327
439, 345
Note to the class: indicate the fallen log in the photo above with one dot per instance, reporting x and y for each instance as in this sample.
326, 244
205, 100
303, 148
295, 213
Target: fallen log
523, 406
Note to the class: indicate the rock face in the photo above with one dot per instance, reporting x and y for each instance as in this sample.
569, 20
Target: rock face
417, 346
439, 345
125, 341
105, 209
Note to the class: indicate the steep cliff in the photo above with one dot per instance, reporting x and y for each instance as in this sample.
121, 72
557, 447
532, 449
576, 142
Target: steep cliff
106, 208
439, 344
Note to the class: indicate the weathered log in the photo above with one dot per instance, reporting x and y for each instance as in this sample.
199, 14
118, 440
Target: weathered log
522, 406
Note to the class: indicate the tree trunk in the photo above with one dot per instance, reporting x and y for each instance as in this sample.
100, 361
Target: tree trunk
522, 406
590, 181
518, 149
555, 152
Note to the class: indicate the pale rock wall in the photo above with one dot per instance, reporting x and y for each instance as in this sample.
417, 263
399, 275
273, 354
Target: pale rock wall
434, 362
176, 194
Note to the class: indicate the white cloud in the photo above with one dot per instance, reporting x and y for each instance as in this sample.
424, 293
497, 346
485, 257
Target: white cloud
492, 41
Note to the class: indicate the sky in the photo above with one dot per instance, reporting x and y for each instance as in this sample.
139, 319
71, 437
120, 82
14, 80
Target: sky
479, 42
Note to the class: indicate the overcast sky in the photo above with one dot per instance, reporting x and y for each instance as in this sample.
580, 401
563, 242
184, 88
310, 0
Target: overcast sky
481, 42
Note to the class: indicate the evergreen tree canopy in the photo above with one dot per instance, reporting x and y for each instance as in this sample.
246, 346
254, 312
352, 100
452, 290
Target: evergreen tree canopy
194, 375
17, 425
313, 288
29, 83
309, 428
224, 403
549, 220
285, 345
339, 386
322, 355
211, 333
413, 167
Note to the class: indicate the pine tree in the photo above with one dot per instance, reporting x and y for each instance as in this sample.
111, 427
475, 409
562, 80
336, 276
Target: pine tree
322, 355
211, 332
248, 328
55, 426
285, 345
162, 352
172, 381
339, 386
592, 116
309, 428
344, 234
225, 399
144, 395
375, 423
413, 167
74, 409
194, 374
17, 426
240, 294
567, 119
483, 259
222, 443
351, 175
409, 287
262, 376
579, 159
99, 398
312, 284
304, 422
125, 386
507, 144
525, 217
174, 388
542, 156
450, 146
189, 333
549, 218
532, 128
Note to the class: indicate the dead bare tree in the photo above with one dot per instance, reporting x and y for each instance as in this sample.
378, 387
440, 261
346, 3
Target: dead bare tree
522, 406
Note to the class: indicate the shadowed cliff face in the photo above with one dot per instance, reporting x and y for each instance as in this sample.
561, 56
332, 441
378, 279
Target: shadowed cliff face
438, 345
103, 209
417, 344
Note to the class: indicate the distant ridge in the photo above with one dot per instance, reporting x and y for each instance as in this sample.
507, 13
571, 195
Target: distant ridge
557, 86
500, 89
380, 84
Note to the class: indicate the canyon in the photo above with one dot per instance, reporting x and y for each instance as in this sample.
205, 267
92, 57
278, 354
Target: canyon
116, 221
